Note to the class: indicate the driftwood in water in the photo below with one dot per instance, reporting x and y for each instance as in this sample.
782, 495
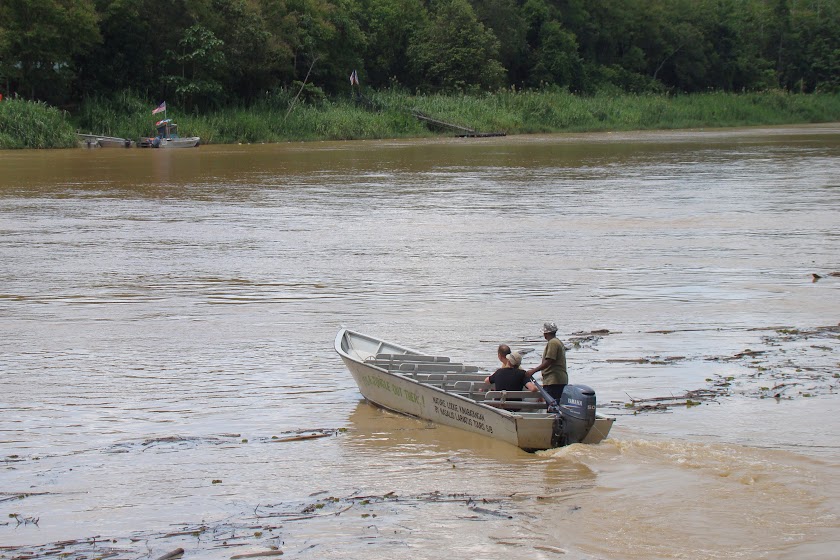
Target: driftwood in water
258, 554
170, 555
689, 399
299, 438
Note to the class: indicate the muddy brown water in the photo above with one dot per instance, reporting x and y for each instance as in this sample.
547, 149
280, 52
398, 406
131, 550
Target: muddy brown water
167, 316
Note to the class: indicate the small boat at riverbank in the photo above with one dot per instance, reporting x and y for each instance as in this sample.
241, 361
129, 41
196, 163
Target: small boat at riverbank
167, 137
98, 141
454, 394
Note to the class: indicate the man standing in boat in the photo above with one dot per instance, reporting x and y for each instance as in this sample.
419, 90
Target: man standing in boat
553, 365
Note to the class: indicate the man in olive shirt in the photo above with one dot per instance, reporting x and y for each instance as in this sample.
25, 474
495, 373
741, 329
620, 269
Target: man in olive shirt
553, 365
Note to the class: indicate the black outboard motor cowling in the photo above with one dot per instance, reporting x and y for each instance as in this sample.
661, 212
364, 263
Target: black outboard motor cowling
578, 407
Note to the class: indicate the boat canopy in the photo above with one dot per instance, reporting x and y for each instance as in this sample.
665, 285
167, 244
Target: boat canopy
167, 129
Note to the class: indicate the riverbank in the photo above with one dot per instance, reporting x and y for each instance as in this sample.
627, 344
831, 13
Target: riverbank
390, 114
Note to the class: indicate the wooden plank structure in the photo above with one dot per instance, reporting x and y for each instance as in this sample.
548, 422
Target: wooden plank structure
462, 131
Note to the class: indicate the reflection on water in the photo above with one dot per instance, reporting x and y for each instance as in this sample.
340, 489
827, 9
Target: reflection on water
191, 299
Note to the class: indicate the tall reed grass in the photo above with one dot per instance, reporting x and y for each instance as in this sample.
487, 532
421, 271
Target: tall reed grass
32, 124
389, 114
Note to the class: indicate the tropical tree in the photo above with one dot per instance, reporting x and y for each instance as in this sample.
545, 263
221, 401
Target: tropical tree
198, 66
390, 27
38, 42
455, 52
505, 19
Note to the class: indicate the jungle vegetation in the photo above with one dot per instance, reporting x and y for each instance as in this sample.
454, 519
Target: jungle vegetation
275, 70
207, 54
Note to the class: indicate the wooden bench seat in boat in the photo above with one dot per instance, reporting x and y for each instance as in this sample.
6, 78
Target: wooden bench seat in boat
505, 395
502, 399
422, 366
471, 389
438, 377
437, 368
516, 405
411, 358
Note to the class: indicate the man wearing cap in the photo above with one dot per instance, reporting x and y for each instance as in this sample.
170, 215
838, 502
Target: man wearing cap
553, 365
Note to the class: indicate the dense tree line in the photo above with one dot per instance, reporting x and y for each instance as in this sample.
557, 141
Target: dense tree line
203, 53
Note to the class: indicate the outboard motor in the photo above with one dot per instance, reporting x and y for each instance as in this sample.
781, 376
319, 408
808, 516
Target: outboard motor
577, 406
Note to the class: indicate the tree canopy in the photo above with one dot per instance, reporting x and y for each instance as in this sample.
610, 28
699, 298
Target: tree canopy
213, 52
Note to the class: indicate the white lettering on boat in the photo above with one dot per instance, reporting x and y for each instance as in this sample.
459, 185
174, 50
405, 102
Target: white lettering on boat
462, 414
386, 385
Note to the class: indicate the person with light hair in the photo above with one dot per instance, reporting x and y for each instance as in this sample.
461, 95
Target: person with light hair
510, 377
553, 365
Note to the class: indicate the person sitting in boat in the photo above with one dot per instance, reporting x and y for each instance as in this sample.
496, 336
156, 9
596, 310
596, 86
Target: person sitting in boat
553, 365
510, 377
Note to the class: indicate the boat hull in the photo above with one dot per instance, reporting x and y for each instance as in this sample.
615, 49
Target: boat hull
532, 431
193, 142
115, 143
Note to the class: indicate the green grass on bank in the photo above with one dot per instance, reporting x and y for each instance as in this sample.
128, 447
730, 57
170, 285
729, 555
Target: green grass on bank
27, 124
389, 115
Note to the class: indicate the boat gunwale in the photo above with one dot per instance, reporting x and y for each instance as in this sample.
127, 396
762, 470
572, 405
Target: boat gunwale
499, 412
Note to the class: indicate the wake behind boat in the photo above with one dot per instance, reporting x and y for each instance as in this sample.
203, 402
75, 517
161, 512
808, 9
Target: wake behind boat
454, 394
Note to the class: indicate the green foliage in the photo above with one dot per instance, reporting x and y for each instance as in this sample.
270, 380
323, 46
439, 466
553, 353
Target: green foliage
123, 115
207, 55
26, 124
33, 124
38, 42
390, 27
199, 64
455, 52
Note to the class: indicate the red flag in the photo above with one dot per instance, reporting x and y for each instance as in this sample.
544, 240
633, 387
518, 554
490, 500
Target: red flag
160, 108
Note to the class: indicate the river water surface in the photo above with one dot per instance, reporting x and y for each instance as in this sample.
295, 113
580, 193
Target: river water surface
167, 321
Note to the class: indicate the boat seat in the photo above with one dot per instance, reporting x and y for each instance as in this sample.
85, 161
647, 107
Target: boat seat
504, 395
417, 366
411, 358
471, 389
502, 399
430, 377
437, 368
474, 390
516, 405
461, 386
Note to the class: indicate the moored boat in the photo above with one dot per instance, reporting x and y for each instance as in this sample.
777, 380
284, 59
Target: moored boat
108, 142
167, 137
454, 394
99, 141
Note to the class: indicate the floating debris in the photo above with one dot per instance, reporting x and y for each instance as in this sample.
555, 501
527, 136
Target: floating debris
257, 554
796, 363
177, 553
688, 400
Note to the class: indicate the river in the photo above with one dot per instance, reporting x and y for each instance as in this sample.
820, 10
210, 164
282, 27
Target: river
167, 321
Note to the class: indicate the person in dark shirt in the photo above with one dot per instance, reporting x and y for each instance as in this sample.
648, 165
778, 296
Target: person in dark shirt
510, 377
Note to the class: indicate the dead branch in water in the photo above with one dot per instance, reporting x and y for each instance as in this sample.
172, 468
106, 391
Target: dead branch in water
299, 438
689, 399
294, 517
257, 554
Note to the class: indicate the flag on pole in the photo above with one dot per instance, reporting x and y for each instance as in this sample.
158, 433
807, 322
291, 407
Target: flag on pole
160, 108
354, 78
